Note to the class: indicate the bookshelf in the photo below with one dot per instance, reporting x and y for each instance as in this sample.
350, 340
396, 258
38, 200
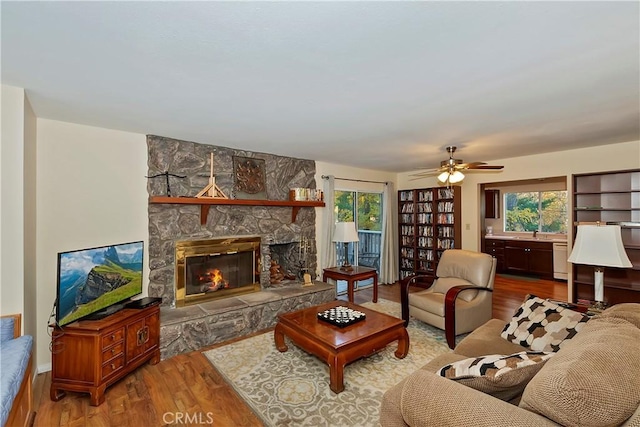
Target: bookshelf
428, 224
611, 198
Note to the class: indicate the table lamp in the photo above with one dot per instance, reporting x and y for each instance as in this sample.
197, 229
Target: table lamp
600, 246
346, 232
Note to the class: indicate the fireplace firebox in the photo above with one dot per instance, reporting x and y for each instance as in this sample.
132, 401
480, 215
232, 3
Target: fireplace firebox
216, 268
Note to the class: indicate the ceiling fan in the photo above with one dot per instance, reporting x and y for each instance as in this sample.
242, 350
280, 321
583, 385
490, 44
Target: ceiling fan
450, 171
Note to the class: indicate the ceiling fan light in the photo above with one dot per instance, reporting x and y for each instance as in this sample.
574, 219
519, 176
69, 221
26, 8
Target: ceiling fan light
443, 177
457, 176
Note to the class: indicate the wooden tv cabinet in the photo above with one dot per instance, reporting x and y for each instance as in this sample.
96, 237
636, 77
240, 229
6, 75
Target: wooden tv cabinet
90, 355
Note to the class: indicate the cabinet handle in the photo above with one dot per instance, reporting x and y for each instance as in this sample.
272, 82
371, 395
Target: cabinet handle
113, 366
113, 351
143, 335
113, 337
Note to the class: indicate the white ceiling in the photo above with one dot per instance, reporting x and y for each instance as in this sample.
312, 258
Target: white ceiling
379, 85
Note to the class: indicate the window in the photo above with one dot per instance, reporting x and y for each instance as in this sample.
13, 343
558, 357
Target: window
543, 211
365, 209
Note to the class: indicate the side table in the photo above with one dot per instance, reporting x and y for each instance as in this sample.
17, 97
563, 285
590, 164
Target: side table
352, 276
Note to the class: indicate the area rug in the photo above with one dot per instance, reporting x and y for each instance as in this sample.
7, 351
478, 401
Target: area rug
292, 388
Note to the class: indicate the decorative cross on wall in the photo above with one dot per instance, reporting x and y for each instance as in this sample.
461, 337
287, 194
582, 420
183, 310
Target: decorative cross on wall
166, 174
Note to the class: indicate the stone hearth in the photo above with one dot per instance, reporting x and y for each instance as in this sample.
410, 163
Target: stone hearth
194, 327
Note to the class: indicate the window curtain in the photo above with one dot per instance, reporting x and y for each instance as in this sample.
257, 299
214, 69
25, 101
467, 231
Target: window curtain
389, 247
328, 249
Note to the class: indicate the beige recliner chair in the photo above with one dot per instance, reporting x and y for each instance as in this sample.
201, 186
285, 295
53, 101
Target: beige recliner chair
459, 300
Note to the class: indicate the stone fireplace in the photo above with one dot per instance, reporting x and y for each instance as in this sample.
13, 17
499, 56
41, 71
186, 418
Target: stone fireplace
245, 296
216, 268
173, 223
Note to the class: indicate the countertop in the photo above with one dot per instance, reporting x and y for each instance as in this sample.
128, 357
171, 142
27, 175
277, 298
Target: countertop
542, 238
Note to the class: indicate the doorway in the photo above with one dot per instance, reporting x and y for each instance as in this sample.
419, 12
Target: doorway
365, 210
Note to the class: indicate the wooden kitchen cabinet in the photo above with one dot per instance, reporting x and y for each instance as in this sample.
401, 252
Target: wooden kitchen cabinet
527, 257
495, 248
492, 204
90, 355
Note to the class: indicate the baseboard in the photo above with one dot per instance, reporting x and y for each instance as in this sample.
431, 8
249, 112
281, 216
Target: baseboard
46, 367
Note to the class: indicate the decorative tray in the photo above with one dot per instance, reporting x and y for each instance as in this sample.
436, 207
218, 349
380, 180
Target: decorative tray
341, 316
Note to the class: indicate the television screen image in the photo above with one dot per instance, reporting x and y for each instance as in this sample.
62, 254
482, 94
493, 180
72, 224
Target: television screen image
95, 280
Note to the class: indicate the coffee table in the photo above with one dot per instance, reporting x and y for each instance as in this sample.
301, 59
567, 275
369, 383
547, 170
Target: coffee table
340, 346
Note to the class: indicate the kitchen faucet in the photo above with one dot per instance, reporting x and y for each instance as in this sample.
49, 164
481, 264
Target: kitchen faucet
535, 233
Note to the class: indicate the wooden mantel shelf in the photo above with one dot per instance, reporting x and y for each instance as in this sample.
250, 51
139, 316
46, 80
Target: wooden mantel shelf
206, 202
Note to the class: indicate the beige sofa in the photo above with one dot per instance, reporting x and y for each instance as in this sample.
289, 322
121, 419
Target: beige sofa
592, 380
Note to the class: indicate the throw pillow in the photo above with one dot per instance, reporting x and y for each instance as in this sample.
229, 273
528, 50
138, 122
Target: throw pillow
542, 325
6, 329
504, 377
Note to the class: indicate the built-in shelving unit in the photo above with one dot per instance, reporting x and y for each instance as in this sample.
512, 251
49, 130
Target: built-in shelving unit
611, 198
206, 202
429, 223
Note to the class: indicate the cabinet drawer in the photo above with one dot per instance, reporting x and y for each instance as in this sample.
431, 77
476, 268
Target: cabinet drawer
112, 352
495, 251
112, 366
112, 338
492, 243
526, 244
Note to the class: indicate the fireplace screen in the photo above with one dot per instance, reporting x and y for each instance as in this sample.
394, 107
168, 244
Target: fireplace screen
217, 268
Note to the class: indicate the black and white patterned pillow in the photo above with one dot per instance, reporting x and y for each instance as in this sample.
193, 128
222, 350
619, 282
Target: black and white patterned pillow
542, 325
504, 377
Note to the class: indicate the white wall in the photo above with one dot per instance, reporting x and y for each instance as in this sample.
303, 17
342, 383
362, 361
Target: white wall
91, 192
11, 201
30, 209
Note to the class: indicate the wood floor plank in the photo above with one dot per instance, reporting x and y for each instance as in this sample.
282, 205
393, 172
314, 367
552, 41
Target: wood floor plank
154, 395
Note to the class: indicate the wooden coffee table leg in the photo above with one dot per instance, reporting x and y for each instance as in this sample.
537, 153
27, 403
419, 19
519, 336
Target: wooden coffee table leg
403, 345
278, 336
336, 373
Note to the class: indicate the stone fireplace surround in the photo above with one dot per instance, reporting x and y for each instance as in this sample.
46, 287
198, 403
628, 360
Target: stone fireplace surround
193, 327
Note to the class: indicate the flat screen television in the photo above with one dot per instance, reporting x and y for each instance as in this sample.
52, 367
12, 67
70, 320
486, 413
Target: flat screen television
94, 283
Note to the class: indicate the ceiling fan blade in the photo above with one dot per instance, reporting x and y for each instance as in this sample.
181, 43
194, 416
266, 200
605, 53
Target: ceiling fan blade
469, 165
487, 167
427, 173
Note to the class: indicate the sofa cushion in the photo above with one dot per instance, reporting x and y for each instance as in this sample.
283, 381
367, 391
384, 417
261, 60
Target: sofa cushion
504, 377
14, 358
487, 340
443, 284
542, 325
593, 381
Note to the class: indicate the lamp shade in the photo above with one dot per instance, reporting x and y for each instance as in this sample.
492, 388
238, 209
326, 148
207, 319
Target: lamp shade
599, 245
345, 232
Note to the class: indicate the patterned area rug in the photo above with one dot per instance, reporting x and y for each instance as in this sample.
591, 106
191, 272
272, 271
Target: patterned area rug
292, 388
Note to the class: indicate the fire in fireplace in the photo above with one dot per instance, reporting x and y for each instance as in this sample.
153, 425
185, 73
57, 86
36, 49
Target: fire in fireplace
216, 268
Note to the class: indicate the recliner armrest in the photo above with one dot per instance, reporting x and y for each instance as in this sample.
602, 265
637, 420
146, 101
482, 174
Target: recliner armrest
450, 310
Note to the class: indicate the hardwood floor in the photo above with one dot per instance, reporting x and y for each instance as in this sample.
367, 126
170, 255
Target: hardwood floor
186, 390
